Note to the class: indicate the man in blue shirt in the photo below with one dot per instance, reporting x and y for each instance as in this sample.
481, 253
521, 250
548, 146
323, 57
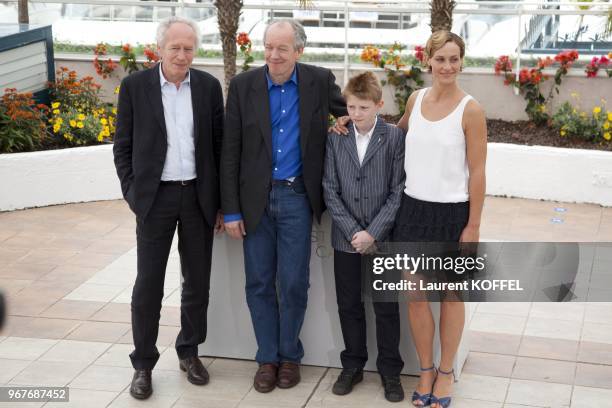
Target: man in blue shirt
271, 171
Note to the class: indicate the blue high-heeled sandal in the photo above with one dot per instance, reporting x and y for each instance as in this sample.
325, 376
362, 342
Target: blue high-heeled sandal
424, 398
443, 402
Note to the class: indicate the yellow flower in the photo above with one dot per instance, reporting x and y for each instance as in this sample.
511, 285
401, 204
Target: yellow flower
56, 111
117, 89
103, 121
542, 108
72, 123
562, 132
55, 105
59, 121
606, 125
80, 125
100, 137
607, 136
81, 116
596, 110
610, 116
56, 128
114, 110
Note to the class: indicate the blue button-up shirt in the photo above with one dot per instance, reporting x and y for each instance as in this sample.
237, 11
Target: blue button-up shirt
285, 120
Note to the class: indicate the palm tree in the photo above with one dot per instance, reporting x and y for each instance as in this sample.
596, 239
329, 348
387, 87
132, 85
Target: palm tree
441, 14
228, 16
22, 12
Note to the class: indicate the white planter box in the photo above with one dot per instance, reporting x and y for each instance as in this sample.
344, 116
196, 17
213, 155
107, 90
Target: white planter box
88, 174
550, 173
72, 175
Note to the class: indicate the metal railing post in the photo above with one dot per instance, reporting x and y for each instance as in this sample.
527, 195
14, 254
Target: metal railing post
346, 43
518, 47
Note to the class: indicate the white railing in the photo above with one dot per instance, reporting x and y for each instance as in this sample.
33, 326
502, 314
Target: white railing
532, 9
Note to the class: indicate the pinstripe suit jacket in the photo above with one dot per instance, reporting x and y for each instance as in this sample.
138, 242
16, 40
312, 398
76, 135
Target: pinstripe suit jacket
366, 196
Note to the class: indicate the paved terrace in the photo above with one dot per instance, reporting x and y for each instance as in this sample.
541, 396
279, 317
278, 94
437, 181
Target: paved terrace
67, 272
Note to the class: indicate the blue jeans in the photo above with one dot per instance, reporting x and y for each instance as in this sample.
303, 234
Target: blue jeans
277, 258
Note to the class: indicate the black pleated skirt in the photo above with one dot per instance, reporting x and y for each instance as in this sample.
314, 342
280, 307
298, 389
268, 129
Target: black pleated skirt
426, 221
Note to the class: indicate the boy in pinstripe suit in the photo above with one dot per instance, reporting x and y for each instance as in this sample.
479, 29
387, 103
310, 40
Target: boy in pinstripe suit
362, 186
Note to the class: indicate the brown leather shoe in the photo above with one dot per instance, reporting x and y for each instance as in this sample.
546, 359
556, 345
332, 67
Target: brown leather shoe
196, 372
265, 378
288, 375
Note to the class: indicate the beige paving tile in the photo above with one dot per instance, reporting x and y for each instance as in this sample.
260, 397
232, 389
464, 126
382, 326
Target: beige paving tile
125, 400
13, 286
486, 322
493, 342
85, 398
232, 388
10, 255
594, 375
472, 403
95, 292
538, 393
47, 328
114, 312
69, 273
103, 378
543, 347
75, 351
587, 397
168, 359
166, 336
105, 332
13, 322
170, 316
112, 246
232, 367
598, 313
10, 368
91, 259
72, 309
118, 355
553, 328
48, 373
537, 369
188, 402
559, 311
296, 396
25, 348
481, 387
496, 365
597, 333
598, 353
505, 308
47, 256
25, 271
117, 274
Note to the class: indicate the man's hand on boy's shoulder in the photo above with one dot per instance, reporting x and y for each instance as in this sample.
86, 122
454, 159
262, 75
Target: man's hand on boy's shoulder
362, 241
340, 125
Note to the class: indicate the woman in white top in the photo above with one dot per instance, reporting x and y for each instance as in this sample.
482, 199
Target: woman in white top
445, 157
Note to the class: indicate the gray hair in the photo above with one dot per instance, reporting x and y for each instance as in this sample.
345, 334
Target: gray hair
299, 40
165, 24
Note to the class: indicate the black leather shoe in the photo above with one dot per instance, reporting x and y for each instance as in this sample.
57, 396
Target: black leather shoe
141, 387
196, 372
347, 378
393, 388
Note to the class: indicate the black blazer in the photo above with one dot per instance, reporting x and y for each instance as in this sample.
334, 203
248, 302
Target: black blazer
140, 139
246, 160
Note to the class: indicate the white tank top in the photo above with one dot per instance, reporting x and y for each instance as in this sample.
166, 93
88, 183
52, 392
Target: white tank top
435, 161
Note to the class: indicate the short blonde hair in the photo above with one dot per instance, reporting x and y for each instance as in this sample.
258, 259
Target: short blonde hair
439, 39
364, 86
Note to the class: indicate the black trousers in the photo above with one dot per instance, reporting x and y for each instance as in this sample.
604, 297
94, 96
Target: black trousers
174, 205
347, 271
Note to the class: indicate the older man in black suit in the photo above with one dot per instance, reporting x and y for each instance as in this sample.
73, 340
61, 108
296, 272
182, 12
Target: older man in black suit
167, 155
272, 165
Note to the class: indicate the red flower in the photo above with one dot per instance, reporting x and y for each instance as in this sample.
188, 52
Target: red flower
503, 64
127, 48
419, 53
545, 62
243, 39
